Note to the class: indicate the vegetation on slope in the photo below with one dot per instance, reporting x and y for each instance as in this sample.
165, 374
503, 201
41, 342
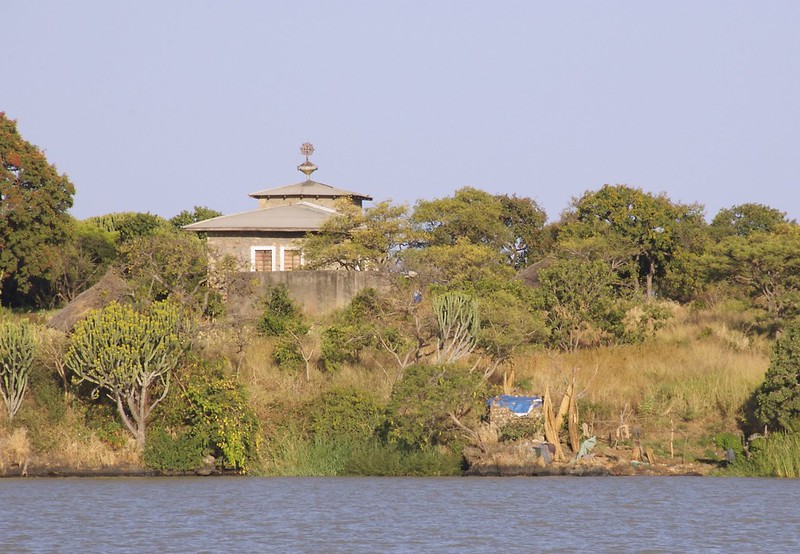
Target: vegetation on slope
668, 324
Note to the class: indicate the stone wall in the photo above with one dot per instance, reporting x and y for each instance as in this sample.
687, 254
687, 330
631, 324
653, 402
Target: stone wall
317, 292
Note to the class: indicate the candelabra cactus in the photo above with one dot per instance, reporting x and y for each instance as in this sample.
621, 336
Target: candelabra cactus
459, 324
17, 347
130, 355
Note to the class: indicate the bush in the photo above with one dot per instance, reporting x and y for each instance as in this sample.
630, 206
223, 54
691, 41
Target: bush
778, 399
212, 408
777, 455
427, 398
164, 452
279, 312
344, 413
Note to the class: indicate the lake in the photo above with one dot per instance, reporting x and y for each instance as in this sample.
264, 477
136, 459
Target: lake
249, 514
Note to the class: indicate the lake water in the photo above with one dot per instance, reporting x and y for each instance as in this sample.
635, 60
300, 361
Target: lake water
550, 514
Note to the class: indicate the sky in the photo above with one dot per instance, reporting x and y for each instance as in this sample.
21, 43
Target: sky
161, 105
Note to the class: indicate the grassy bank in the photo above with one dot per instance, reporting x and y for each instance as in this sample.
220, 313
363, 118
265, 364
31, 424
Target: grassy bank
673, 393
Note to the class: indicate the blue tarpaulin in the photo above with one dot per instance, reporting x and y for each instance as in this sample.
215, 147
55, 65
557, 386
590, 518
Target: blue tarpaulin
519, 405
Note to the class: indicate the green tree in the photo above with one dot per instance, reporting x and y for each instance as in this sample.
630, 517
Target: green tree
459, 325
745, 219
778, 399
83, 260
580, 302
652, 225
766, 265
454, 265
17, 348
131, 225
131, 355
526, 221
34, 222
357, 239
200, 213
352, 331
470, 214
436, 405
167, 264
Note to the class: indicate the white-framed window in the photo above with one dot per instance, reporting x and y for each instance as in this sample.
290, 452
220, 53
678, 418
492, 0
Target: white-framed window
291, 259
262, 258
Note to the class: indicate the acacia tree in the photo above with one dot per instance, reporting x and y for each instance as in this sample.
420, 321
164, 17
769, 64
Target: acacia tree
653, 225
131, 356
745, 219
357, 239
766, 265
34, 200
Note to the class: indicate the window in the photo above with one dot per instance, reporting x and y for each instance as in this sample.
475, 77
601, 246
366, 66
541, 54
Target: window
291, 260
263, 259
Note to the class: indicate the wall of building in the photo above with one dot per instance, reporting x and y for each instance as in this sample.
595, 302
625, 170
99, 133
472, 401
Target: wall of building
239, 245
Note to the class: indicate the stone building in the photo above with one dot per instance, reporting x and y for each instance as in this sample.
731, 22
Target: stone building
270, 238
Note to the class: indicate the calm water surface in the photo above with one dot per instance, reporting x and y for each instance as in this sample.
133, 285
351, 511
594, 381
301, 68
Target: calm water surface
556, 514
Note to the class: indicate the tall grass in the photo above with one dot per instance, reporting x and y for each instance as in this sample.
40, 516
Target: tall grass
290, 453
696, 371
776, 456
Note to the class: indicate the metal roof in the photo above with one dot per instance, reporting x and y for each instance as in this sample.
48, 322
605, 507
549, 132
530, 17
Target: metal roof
303, 216
308, 188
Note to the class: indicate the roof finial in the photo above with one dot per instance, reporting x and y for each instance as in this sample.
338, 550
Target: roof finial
306, 149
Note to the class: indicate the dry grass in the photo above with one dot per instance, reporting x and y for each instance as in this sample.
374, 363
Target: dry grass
15, 449
697, 369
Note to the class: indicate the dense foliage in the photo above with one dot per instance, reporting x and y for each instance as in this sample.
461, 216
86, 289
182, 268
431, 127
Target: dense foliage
478, 281
34, 223
778, 398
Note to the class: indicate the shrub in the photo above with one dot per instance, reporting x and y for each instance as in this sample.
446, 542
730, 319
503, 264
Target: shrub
428, 400
279, 312
214, 409
164, 452
344, 413
778, 399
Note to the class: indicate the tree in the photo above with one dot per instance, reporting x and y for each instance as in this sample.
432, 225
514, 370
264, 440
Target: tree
200, 213
745, 219
283, 319
83, 260
167, 264
130, 355
578, 297
131, 225
459, 325
34, 222
453, 265
526, 221
655, 226
357, 239
778, 398
433, 404
17, 348
766, 265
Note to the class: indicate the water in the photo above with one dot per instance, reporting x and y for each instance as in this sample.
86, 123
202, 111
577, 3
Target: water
555, 514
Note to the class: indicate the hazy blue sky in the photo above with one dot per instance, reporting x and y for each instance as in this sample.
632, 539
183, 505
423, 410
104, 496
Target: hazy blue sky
157, 106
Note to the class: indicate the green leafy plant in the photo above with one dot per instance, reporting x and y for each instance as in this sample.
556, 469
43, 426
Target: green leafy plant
165, 452
778, 399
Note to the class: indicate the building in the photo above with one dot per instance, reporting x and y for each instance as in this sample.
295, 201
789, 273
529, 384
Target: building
270, 238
